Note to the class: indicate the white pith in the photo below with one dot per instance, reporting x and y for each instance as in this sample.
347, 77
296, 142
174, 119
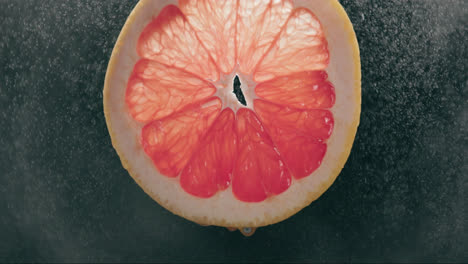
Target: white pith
223, 208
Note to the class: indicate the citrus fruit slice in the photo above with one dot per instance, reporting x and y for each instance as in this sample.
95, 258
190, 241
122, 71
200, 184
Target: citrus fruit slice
234, 113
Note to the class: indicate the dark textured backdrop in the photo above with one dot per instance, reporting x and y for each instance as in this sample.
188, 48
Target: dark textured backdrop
64, 195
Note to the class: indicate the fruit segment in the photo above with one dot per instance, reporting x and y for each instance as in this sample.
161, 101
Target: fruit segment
305, 90
155, 91
210, 168
259, 171
258, 23
298, 134
214, 22
169, 39
170, 142
301, 46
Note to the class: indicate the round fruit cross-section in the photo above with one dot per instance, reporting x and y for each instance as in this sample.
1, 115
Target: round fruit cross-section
234, 113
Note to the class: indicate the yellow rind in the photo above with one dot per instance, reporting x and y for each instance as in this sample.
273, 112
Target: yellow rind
312, 196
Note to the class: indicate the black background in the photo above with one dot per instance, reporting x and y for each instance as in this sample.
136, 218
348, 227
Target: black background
64, 195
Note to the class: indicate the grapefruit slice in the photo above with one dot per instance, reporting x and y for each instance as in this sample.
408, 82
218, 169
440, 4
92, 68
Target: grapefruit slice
234, 113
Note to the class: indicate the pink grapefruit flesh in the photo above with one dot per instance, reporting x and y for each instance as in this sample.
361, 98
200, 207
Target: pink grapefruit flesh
305, 90
214, 22
300, 46
171, 142
298, 134
155, 91
259, 170
219, 146
169, 39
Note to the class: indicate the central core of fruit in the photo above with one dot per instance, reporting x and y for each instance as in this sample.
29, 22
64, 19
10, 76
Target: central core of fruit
236, 90
233, 94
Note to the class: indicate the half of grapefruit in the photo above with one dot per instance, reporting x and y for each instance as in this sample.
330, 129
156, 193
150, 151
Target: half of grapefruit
234, 113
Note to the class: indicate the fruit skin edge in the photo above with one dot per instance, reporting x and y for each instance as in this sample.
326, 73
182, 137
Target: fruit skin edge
311, 196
